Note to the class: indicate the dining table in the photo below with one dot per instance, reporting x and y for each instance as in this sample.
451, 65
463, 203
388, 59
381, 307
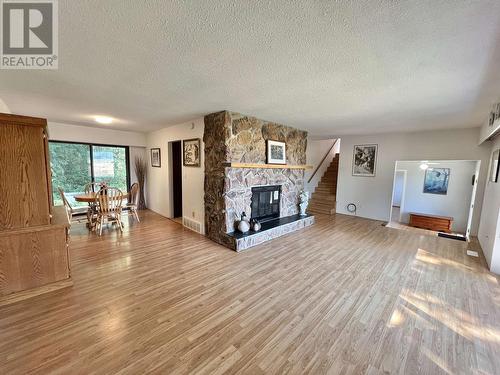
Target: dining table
90, 199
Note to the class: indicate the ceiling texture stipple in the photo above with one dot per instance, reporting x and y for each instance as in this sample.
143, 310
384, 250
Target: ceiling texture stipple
329, 67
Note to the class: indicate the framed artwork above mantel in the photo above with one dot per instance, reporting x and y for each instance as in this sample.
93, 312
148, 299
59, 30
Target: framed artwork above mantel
276, 152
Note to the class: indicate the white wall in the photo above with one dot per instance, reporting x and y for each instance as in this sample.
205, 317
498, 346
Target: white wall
192, 177
87, 134
456, 203
316, 150
489, 228
3, 107
399, 180
373, 195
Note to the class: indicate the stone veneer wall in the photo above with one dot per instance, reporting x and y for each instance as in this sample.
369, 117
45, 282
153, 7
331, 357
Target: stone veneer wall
232, 137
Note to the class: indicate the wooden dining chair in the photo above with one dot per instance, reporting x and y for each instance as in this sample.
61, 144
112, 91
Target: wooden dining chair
108, 202
70, 210
132, 200
67, 206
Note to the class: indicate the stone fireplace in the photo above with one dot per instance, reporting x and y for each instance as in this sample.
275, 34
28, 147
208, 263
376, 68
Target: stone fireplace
234, 138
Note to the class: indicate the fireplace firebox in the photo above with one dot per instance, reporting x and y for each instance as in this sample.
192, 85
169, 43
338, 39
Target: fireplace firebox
266, 202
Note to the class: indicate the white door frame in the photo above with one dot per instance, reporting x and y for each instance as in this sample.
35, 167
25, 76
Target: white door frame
403, 191
473, 198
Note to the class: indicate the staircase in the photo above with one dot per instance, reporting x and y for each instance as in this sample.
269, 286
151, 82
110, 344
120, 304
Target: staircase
324, 196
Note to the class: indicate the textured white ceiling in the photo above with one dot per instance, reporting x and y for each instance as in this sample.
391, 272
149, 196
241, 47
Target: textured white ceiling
330, 67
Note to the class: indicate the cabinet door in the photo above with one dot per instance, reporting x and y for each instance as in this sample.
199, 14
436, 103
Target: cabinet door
32, 258
23, 176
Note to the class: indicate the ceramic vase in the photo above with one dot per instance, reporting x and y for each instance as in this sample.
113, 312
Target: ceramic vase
255, 225
303, 202
244, 224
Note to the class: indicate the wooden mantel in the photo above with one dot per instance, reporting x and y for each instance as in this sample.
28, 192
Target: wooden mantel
267, 166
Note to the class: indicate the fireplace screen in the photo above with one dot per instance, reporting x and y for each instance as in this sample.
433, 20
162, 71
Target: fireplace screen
266, 202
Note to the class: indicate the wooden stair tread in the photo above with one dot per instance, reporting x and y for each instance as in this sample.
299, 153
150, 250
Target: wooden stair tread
324, 200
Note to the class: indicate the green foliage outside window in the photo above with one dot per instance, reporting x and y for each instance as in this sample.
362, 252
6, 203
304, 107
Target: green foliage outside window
70, 165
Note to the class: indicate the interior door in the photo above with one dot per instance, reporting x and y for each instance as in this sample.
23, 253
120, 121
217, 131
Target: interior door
177, 177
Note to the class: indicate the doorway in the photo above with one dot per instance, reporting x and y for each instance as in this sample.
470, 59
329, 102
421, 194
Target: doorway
176, 181
435, 197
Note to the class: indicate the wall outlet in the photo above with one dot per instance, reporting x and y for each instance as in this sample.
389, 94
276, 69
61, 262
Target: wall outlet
472, 253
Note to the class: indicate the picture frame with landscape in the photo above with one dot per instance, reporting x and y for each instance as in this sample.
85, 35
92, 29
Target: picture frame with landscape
436, 181
276, 152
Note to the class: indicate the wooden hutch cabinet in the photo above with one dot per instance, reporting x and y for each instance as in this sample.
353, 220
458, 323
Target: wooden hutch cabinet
34, 255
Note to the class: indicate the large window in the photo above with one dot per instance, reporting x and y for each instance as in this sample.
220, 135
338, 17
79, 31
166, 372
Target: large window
76, 164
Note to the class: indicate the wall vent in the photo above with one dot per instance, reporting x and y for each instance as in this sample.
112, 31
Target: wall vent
192, 224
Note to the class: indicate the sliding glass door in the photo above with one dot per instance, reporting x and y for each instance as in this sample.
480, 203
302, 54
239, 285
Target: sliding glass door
70, 166
110, 166
74, 165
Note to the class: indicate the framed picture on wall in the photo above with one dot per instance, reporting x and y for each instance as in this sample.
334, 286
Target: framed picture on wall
494, 165
436, 180
364, 160
191, 152
276, 152
156, 157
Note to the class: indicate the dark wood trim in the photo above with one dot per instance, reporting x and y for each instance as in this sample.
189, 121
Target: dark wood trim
91, 153
176, 165
127, 166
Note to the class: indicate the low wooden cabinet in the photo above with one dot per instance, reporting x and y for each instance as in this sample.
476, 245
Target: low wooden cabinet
431, 222
34, 253
33, 257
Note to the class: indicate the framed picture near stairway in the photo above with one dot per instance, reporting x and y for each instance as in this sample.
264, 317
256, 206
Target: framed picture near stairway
364, 160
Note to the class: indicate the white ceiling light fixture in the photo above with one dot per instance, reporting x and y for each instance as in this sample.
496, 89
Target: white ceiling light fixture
103, 119
424, 165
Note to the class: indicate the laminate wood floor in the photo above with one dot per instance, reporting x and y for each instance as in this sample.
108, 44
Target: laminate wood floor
345, 296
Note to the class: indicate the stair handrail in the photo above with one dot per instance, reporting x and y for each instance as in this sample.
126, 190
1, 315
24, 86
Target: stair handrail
322, 160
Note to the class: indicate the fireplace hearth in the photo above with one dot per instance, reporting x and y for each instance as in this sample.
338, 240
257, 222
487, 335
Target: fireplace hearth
266, 202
